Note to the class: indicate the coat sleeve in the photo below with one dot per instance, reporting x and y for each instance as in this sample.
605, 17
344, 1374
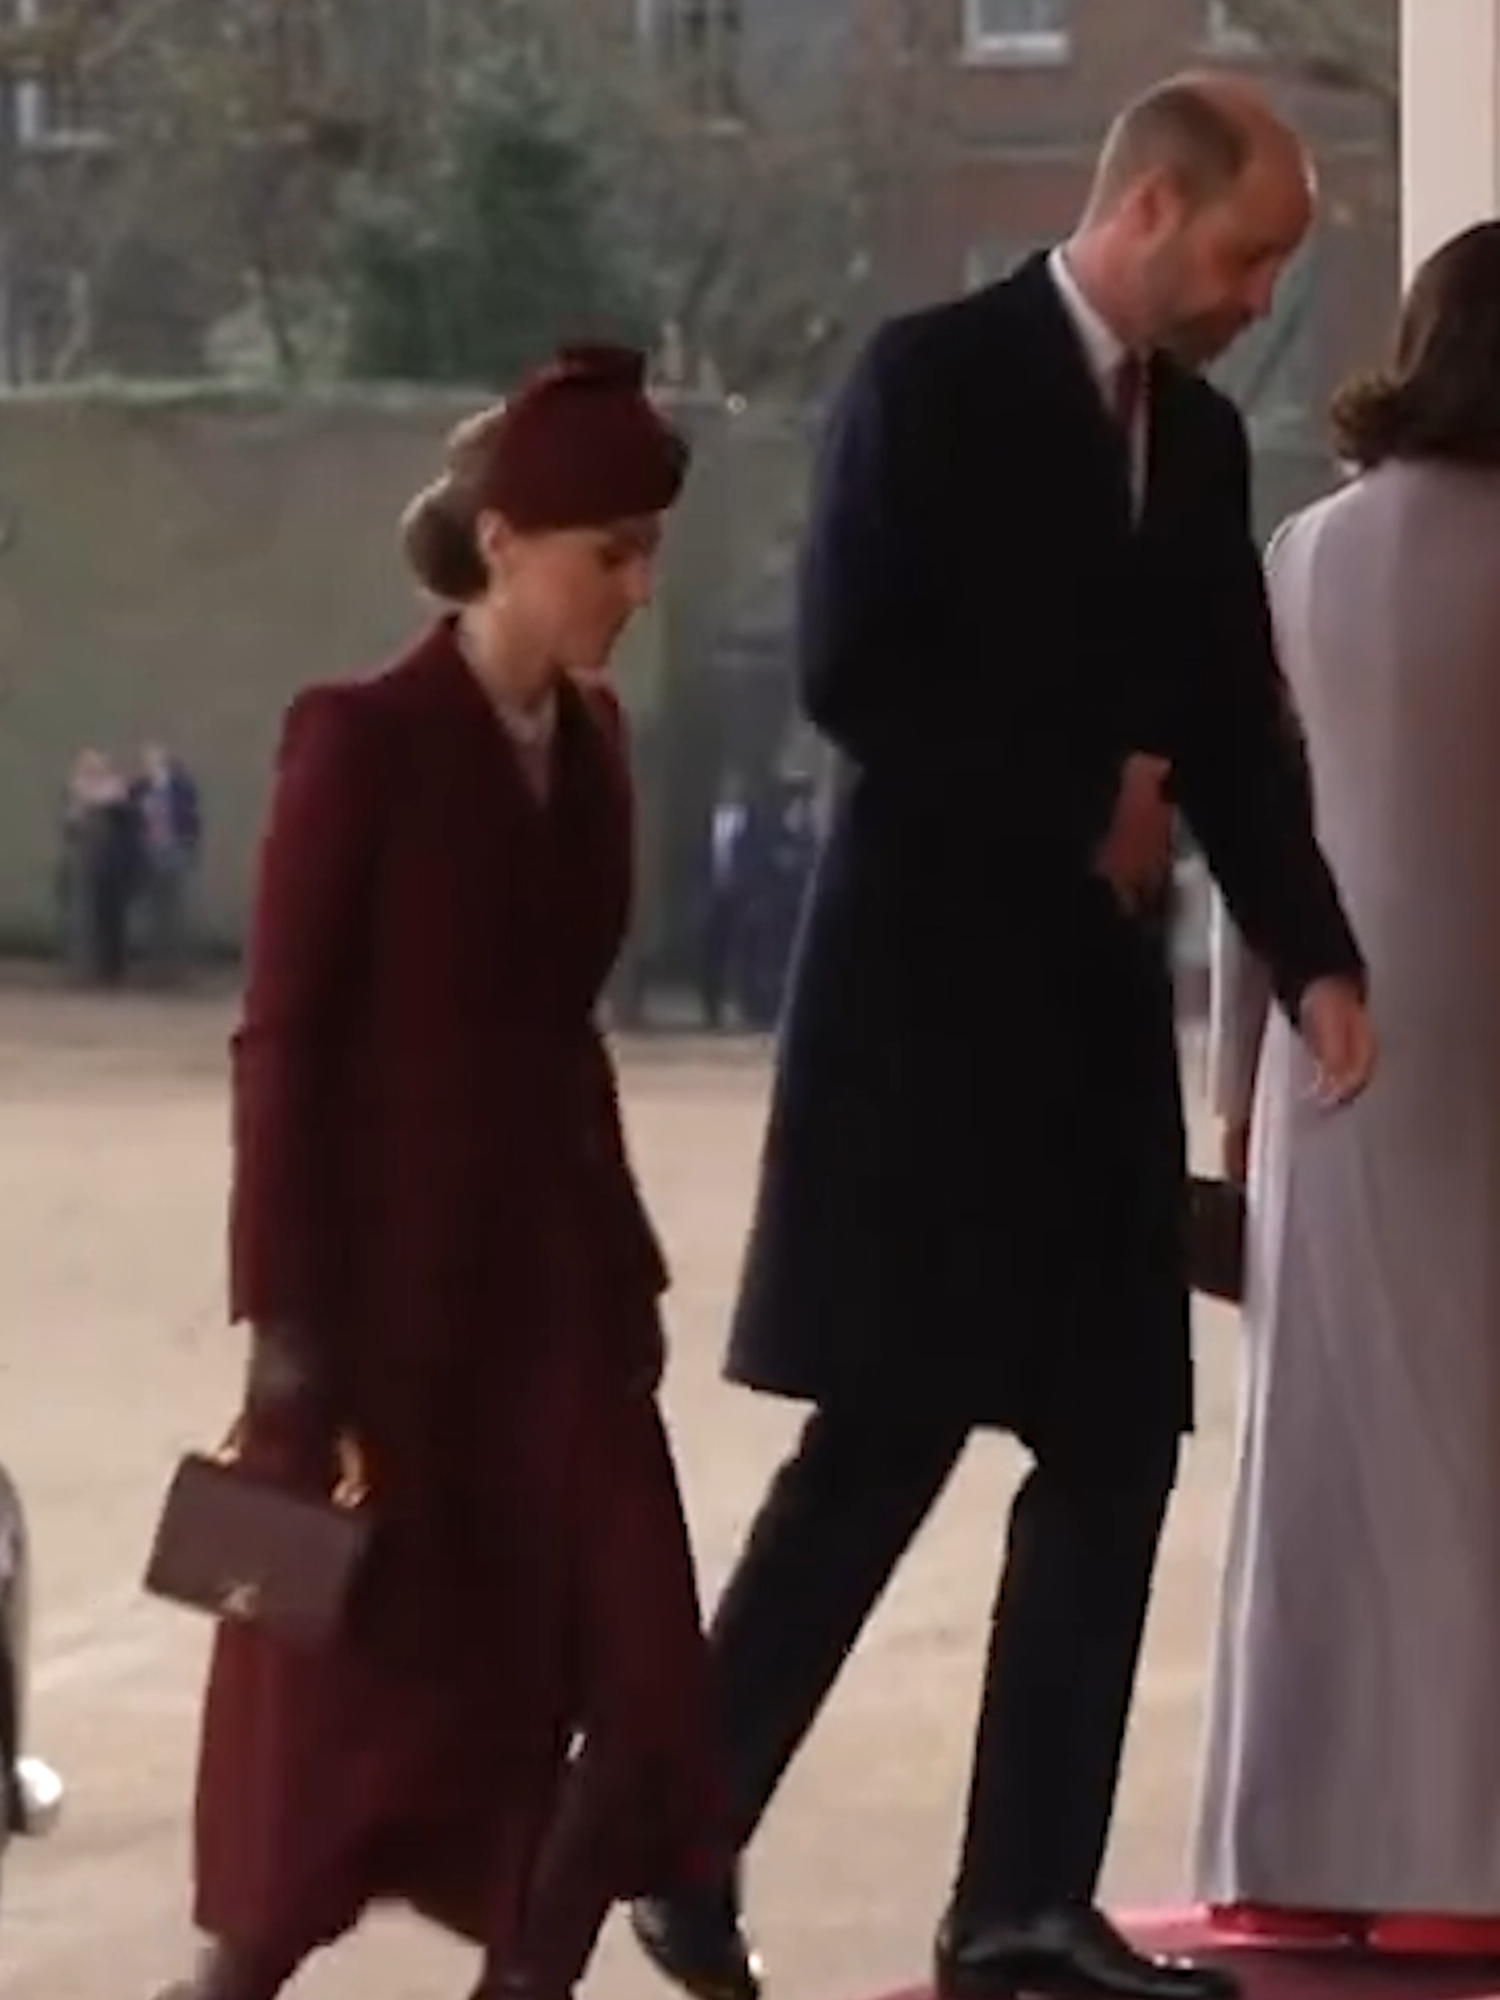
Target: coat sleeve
645, 1263
1242, 773
308, 911
875, 619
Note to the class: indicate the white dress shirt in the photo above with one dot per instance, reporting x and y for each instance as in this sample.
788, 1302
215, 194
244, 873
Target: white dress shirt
1104, 351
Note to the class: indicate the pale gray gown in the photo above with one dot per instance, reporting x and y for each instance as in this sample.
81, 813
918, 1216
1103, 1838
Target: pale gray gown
1353, 1747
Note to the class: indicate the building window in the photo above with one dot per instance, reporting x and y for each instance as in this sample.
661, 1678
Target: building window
1018, 31
1225, 33
698, 44
51, 107
52, 114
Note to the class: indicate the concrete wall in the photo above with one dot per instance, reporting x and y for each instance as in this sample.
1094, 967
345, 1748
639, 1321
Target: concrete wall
178, 564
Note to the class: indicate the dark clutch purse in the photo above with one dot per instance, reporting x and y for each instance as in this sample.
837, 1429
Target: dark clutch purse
237, 1546
1216, 1239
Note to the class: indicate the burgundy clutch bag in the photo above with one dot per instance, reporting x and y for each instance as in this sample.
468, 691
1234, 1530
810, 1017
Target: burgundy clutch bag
1216, 1239
235, 1545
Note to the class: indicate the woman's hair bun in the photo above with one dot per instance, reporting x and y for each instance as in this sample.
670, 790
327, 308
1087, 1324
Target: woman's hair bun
438, 541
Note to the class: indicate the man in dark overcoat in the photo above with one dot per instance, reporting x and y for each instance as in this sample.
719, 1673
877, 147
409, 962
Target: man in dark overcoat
1033, 622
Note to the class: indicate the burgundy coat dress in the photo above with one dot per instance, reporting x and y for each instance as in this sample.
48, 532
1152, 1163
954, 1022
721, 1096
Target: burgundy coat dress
430, 1179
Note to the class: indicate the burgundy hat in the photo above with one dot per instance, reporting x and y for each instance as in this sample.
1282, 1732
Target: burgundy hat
580, 444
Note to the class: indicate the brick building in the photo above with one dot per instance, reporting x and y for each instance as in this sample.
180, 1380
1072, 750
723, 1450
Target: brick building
1017, 94
993, 111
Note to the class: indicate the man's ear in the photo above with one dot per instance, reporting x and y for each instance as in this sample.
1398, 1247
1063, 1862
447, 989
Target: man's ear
1158, 203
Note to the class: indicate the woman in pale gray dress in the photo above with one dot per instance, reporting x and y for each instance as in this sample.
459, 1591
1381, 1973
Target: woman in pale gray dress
1352, 1780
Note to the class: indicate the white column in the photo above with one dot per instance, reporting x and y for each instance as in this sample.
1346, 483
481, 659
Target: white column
1450, 120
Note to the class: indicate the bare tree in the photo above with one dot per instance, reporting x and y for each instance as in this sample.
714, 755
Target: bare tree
761, 193
1351, 45
1348, 46
168, 163
752, 183
183, 160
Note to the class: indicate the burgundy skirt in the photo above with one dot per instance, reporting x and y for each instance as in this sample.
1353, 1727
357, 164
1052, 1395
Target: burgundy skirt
543, 1589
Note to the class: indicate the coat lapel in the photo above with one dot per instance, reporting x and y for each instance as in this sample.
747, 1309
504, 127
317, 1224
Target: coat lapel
1085, 432
1170, 447
485, 767
1089, 437
570, 854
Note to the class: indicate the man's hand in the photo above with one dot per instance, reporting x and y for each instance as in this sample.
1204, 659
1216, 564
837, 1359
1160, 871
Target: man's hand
1136, 857
1234, 1154
1336, 1027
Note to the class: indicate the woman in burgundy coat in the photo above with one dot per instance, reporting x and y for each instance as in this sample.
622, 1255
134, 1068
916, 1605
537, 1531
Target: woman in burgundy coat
438, 1246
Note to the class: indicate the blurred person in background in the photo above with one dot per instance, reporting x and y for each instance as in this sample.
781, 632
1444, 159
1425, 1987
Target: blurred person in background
781, 846
724, 897
169, 810
99, 868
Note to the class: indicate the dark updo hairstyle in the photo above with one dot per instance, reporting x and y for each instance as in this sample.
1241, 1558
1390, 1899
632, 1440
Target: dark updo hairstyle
580, 445
1439, 398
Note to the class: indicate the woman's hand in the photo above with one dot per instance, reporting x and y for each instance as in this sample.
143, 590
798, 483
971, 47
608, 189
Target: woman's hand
291, 1424
1335, 1024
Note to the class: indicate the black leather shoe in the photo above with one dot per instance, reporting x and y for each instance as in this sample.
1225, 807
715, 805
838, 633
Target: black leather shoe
514, 1986
696, 1940
1073, 1952
222, 1974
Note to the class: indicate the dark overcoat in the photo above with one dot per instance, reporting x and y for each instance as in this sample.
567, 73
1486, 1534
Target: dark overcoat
972, 1192
430, 1181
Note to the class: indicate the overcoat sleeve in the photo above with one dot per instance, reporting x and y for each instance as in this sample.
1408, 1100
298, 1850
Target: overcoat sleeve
309, 908
875, 610
645, 1260
1242, 773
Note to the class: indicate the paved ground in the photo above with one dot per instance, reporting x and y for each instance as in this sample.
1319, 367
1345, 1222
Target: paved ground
114, 1359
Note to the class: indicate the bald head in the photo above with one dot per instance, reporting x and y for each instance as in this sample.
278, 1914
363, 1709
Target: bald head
1203, 131
1202, 194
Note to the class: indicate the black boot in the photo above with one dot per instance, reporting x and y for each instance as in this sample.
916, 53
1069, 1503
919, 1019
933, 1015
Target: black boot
572, 1889
696, 1939
223, 1973
516, 1985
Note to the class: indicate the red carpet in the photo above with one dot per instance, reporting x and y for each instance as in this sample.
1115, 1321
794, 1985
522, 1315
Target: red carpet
1312, 1974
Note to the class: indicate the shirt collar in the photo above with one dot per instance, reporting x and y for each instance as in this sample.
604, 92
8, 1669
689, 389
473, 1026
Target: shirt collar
1102, 346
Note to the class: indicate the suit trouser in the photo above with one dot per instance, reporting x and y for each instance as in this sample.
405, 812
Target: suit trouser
1064, 1643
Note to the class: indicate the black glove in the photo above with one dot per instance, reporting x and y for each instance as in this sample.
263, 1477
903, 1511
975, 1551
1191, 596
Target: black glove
285, 1370
291, 1423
